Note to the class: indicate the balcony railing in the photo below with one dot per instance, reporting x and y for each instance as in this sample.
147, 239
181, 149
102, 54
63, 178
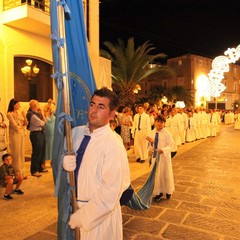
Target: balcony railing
43, 5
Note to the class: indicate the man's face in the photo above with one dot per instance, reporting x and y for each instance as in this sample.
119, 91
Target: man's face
140, 110
99, 112
159, 125
173, 112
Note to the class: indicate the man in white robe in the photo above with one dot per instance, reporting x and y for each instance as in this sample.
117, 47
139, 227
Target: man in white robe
140, 129
213, 123
103, 174
174, 127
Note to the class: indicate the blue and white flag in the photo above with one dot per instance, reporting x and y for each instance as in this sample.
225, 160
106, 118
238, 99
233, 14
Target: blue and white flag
81, 87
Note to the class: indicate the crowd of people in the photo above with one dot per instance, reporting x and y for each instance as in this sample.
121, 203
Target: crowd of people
185, 124
40, 123
100, 163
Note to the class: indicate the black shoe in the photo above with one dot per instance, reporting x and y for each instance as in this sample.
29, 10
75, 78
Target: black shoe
168, 196
157, 198
142, 161
18, 191
138, 160
36, 174
44, 170
7, 197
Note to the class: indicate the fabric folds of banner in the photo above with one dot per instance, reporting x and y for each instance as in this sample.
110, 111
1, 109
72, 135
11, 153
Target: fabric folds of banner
81, 87
142, 199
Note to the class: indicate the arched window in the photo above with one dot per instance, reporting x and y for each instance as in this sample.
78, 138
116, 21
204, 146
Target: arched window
32, 79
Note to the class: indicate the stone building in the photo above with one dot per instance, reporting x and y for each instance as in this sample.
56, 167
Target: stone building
192, 73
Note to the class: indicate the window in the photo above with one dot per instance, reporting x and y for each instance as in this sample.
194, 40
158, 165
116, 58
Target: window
164, 83
39, 87
235, 86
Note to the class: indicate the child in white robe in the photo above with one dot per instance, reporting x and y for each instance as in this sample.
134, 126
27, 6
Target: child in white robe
164, 182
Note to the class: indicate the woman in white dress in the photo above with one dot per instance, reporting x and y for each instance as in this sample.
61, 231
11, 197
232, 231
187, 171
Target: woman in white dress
17, 124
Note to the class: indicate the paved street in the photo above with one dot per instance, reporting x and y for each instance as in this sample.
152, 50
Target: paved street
204, 206
206, 202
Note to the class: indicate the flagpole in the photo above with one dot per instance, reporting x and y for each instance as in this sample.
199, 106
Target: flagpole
66, 104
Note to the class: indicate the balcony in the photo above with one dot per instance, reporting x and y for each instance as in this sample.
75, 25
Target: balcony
28, 15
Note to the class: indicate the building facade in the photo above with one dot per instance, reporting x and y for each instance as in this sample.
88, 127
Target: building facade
25, 34
192, 73
25, 43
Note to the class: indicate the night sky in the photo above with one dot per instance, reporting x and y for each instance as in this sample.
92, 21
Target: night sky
174, 27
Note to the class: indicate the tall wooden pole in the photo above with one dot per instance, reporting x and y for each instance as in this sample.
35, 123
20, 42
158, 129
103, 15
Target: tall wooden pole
66, 104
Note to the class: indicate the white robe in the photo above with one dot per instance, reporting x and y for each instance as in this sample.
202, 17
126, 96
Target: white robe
174, 128
103, 176
140, 142
164, 182
213, 123
184, 124
196, 117
190, 133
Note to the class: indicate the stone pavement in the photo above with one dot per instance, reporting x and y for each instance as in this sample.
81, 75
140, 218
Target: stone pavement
204, 206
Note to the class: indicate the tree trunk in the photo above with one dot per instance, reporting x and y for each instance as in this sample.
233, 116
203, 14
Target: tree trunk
127, 98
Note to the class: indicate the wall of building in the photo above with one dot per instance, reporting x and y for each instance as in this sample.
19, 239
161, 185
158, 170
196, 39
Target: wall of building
192, 73
20, 42
15, 42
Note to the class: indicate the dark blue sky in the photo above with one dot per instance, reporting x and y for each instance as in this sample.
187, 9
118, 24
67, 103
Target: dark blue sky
174, 27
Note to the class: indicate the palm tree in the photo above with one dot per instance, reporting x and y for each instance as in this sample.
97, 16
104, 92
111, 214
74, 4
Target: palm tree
130, 66
173, 94
179, 93
157, 93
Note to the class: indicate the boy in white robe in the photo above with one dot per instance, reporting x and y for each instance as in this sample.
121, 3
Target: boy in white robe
164, 182
103, 174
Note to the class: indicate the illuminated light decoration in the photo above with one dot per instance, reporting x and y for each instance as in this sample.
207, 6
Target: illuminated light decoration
215, 85
216, 88
220, 65
233, 54
216, 75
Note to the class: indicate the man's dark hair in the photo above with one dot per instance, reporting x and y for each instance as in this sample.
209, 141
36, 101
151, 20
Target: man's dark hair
112, 96
160, 118
5, 156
